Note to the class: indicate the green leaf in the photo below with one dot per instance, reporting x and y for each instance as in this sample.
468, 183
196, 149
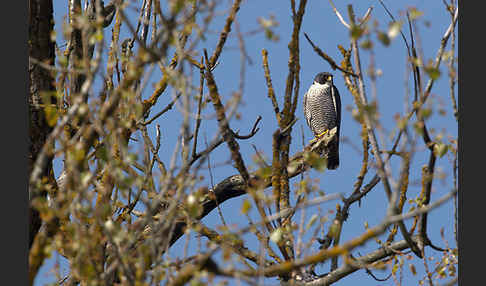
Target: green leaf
432, 72
366, 44
98, 35
177, 6
51, 115
384, 39
394, 268
102, 153
356, 32
316, 162
311, 222
267, 25
246, 206
292, 167
194, 208
414, 13
62, 60
402, 123
416, 62
265, 172
418, 127
425, 113
277, 235
334, 230
270, 35
440, 149
394, 29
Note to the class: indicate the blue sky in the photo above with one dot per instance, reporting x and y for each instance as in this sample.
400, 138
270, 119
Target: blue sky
326, 31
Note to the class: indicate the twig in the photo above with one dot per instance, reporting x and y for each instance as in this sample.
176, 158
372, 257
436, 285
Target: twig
154, 54
224, 34
324, 254
199, 108
366, 16
327, 58
364, 164
374, 143
228, 135
225, 130
452, 70
347, 269
451, 282
260, 157
340, 17
234, 186
286, 122
402, 188
237, 246
160, 113
212, 186
393, 19
253, 131
186, 273
440, 53
271, 92
146, 20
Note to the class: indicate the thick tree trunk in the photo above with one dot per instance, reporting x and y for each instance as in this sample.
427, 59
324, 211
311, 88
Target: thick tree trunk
41, 91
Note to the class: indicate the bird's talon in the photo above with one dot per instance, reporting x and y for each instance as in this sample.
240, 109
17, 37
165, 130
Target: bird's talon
318, 136
322, 134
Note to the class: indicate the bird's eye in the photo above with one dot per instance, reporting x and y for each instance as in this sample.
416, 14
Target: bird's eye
329, 77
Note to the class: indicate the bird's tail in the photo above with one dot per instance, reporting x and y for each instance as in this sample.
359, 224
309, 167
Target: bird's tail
333, 155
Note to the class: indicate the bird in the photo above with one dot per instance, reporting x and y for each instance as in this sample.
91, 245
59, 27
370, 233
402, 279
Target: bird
322, 109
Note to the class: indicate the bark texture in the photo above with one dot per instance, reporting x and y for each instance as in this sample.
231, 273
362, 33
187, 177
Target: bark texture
41, 91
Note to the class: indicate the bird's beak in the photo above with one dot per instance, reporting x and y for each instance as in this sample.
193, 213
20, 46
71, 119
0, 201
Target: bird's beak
329, 78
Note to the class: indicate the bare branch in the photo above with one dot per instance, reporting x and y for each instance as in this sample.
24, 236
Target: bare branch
160, 113
347, 269
253, 131
372, 137
327, 58
224, 34
225, 130
271, 92
340, 17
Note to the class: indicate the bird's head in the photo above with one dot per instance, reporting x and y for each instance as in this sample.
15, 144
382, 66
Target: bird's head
323, 78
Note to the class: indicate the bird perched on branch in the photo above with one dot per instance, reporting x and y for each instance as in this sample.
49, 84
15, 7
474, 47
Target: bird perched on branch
322, 109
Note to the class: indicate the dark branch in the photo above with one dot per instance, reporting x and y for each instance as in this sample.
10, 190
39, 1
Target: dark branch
253, 131
374, 256
327, 58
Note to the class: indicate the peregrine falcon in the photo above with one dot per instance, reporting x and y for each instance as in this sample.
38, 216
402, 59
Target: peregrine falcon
322, 109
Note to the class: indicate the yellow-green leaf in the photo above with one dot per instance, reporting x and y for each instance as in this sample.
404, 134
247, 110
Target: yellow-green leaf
414, 13
432, 72
440, 149
246, 206
384, 39
51, 115
356, 32
311, 222
425, 113
394, 29
316, 162
366, 44
276, 235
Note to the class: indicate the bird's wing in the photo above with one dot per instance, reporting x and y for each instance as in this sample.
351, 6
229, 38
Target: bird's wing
336, 99
306, 110
337, 102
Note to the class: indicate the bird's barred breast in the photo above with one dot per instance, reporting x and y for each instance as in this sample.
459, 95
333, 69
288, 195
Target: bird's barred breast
321, 106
